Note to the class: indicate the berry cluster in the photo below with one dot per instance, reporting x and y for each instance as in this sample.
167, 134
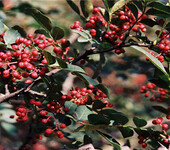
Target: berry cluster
160, 57
27, 58
155, 93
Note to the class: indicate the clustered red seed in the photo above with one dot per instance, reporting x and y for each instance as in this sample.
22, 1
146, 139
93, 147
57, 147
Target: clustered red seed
80, 95
160, 57
116, 32
155, 93
22, 113
163, 44
27, 60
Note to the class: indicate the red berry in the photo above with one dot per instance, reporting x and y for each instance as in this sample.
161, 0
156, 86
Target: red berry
62, 126
165, 126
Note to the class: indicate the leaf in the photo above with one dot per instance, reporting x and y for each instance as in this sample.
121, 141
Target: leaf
49, 57
2, 28
82, 113
119, 5
154, 60
96, 119
139, 4
63, 118
98, 105
142, 132
155, 12
86, 7
20, 30
71, 106
139, 122
73, 6
5, 114
133, 9
126, 131
82, 40
86, 78
149, 22
111, 140
42, 31
10, 128
160, 7
87, 140
168, 27
10, 36
84, 33
103, 89
41, 18
160, 109
118, 118
57, 33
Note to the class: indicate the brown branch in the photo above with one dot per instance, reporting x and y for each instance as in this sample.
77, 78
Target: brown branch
26, 89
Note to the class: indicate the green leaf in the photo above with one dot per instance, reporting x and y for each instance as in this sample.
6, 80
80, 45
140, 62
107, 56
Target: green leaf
57, 33
87, 140
142, 132
61, 62
103, 89
139, 122
43, 20
154, 60
10, 36
42, 31
126, 131
139, 4
10, 128
111, 140
160, 7
20, 30
49, 57
73, 6
82, 113
149, 22
86, 7
2, 28
158, 13
96, 119
82, 40
86, 78
84, 33
168, 27
5, 114
119, 5
133, 9
160, 109
118, 118
98, 105
71, 106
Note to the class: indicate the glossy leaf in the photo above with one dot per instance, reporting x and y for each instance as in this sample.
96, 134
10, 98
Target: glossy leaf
49, 57
126, 131
20, 30
71, 106
57, 33
73, 6
159, 13
139, 122
82, 113
111, 140
154, 60
98, 105
119, 5
96, 119
133, 9
10, 36
149, 22
160, 109
2, 28
86, 7
43, 20
103, 89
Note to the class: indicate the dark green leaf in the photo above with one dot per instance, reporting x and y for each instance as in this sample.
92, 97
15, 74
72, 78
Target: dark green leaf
149, 22
168, 27
111, 140
65, 45
97, 119
155, 12
63, 118
139, 4
139, 122
42, 31
86, 7
73, 6
2, 28
103, 89
118, 118
133, 8
20, 30
57, 33
87, 140
89, 100
74, 68
142, 132
126, 131
160, 109
108, 111
98, 105
10, 36
82, 113
49, 57
41, 18
62, 63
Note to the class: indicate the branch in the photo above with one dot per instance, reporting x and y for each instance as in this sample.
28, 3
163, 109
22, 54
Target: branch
26, 89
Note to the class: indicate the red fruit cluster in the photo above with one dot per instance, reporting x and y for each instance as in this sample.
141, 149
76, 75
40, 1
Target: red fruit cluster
76, 26
160, 57
142, 141
22, 113
155, 93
